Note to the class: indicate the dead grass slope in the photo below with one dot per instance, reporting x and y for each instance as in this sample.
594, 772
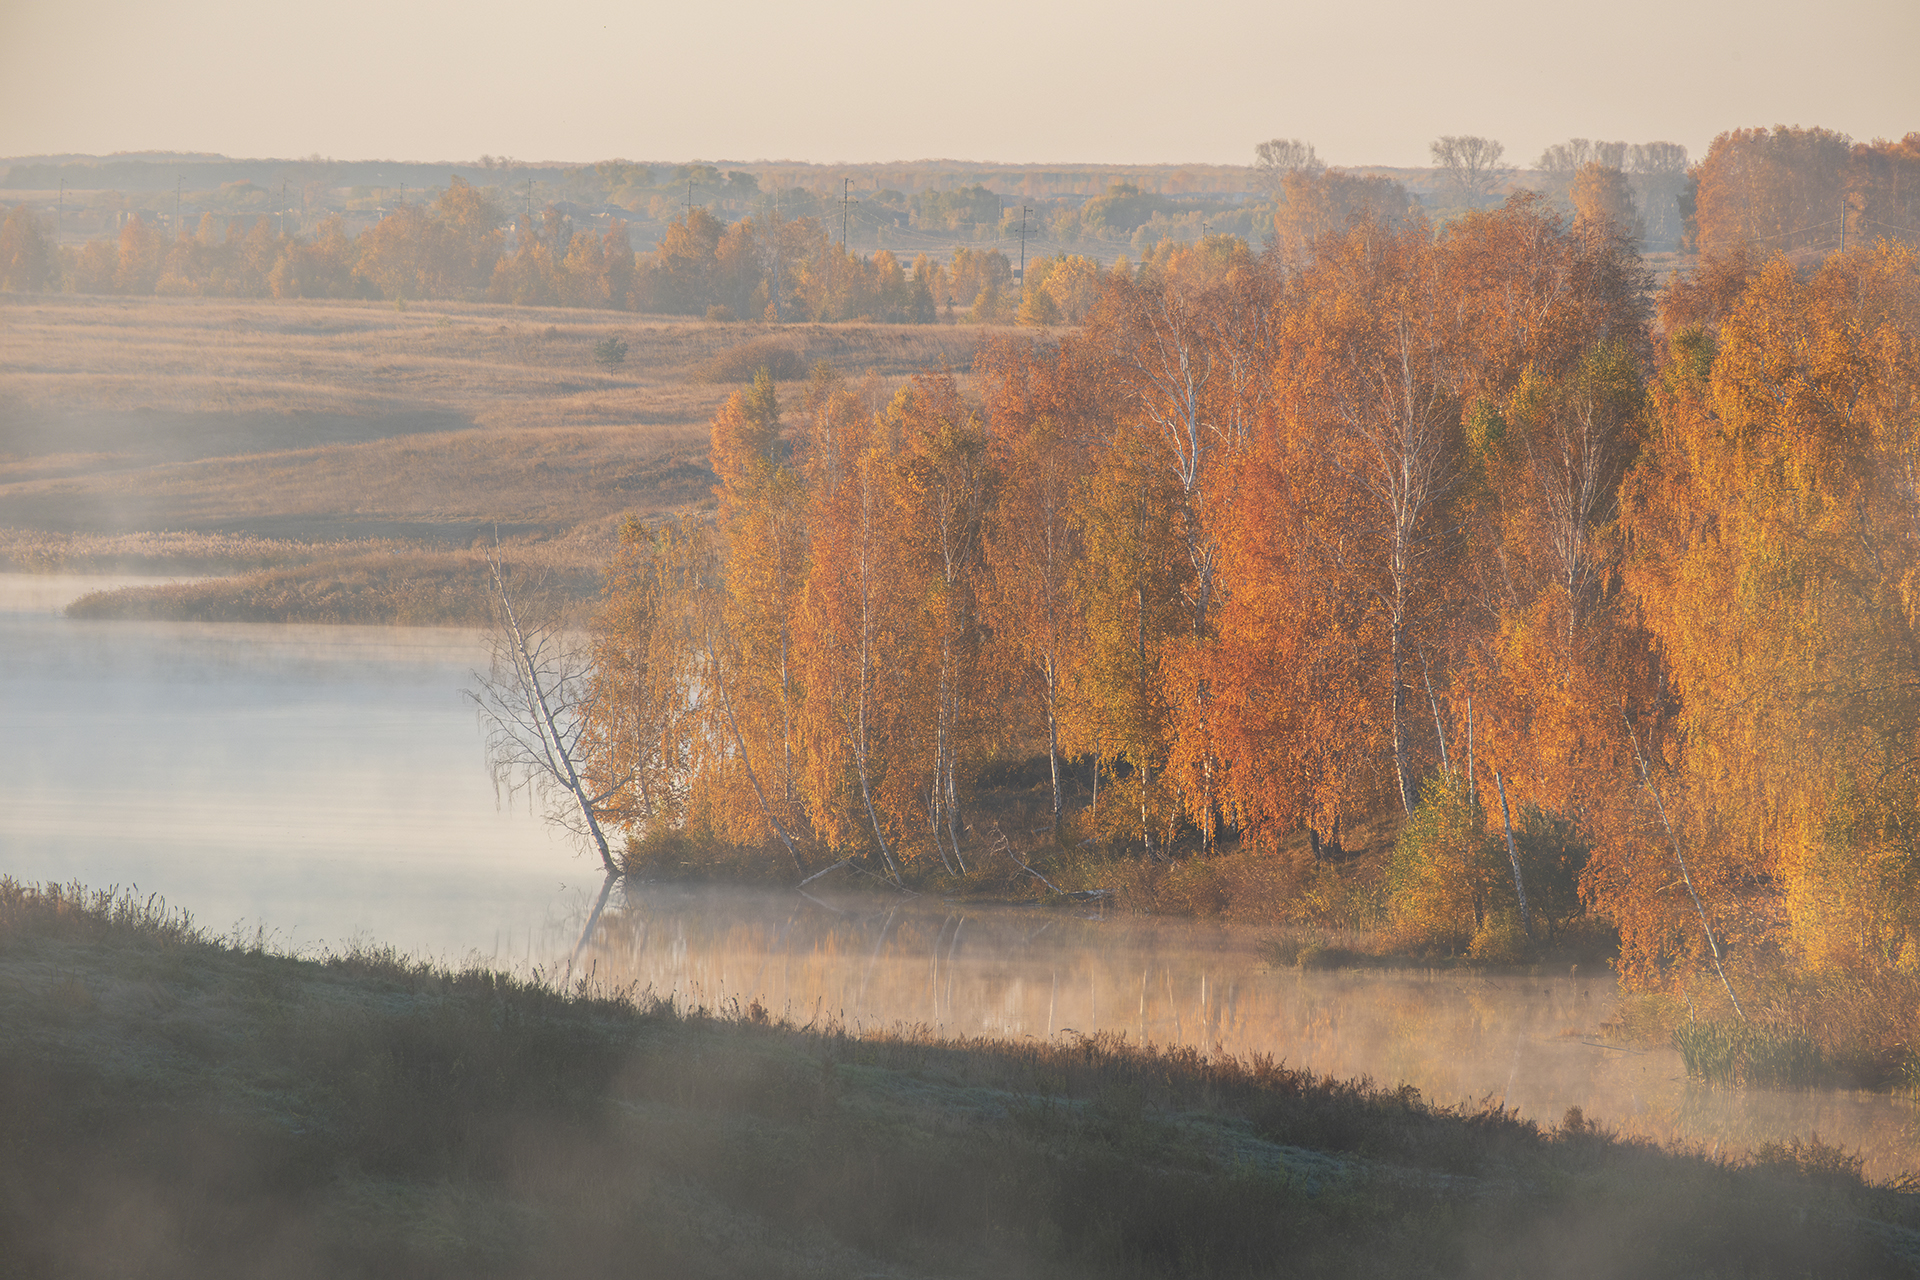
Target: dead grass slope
434, 427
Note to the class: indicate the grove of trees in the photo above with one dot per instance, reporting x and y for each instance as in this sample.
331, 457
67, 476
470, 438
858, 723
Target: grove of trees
1444, 522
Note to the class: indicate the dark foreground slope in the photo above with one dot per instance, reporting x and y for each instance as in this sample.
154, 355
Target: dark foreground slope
176, 1105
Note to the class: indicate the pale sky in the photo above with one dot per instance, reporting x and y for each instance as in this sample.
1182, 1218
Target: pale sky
1018, 81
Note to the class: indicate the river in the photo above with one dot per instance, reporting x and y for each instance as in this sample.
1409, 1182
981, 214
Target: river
325, 786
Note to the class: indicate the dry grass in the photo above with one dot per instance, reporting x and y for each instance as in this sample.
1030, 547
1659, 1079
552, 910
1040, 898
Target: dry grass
38, 551
403, 588
184, 434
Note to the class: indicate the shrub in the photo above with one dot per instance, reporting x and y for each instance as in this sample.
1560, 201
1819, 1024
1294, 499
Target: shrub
1439, 885
1451, 877
742, 362
611, 352
1499, 939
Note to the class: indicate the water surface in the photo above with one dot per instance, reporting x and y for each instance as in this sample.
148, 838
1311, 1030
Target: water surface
327, 785
324, 783
1530, 1043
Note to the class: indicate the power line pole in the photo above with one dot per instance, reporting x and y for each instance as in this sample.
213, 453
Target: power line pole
1024, 211
846, 202
1843, 224
178, 182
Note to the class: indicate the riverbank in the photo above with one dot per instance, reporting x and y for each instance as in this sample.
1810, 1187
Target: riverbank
381, 588
1823, 1030
206, 1106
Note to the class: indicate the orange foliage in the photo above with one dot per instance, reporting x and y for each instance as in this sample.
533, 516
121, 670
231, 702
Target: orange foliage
1287, 544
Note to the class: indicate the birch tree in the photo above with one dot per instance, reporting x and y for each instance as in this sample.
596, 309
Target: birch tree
536, 702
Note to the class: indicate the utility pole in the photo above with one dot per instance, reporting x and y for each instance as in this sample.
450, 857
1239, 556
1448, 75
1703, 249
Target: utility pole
689, 201
1024, 211
1843, 224
178, 182
846, 202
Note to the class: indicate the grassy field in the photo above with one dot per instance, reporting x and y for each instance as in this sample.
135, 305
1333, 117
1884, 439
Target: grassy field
180, 1105
179, 434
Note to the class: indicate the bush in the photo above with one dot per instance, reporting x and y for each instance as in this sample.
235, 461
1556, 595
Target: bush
1452, 878
741, 363
1500, 939
610, 353
1440, 884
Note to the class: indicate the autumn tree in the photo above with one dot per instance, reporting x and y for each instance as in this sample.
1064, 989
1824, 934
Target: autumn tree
26, 252
1186, 347
1313, 205
642, 733
1563, 160
762, 524
1060, 289
1044, 410
323, 267
1133, 586
1774, 561
98, 265
1663, 190
1392, 422
1776, 190
682, 271
466, 240
850, 621
1600, 194
140, 258
396, 253
944, 493
1886, 200
1296, 717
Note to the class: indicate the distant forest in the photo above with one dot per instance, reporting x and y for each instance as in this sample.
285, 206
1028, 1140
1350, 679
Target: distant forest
760, 245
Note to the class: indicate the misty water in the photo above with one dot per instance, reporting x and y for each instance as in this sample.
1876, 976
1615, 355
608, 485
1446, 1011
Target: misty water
325, 785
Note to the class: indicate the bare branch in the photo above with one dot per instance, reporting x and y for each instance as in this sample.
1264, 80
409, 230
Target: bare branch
536, 702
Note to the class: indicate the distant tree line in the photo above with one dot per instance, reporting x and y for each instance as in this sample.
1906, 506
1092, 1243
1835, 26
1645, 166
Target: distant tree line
1784, 188
767, 266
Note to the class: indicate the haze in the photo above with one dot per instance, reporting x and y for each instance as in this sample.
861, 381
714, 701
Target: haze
1003, 81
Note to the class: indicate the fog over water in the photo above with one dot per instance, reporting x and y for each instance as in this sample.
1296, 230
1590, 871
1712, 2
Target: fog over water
327, 784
